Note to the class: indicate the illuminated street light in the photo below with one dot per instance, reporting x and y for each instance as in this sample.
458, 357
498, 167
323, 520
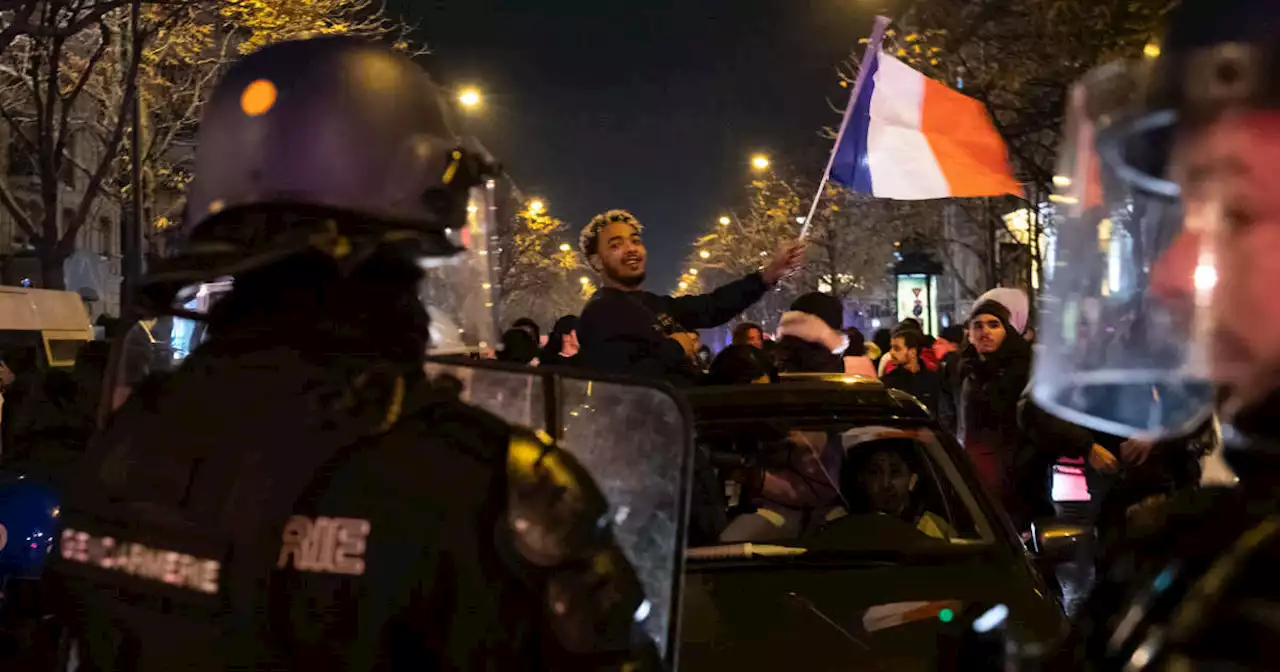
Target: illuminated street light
584, 279
564, 247
536, 206
724, 221
1152, 50
704, 254
760, 162
1065, 200
693, 271
469, 97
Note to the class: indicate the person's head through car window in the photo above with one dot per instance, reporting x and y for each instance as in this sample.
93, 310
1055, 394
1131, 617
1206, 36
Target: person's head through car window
739, 365
877, 478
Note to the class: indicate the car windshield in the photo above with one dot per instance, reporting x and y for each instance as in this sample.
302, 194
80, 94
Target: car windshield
809, 484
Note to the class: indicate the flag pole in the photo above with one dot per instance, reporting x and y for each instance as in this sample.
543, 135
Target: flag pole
873, 45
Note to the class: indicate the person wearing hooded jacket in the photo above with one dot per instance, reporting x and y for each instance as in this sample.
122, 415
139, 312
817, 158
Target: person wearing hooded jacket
1011, 444
983, 407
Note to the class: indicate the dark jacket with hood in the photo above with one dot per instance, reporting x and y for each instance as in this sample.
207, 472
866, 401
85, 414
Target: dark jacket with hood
1010, 441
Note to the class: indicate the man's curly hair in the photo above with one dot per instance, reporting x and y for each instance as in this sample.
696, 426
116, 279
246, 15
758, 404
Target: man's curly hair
589, 240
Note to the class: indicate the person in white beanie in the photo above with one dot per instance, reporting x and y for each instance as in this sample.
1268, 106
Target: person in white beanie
1014, 300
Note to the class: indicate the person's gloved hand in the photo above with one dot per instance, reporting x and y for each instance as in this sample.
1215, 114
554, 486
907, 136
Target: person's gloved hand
809, 328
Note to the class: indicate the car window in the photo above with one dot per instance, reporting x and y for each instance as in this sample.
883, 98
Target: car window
785, 482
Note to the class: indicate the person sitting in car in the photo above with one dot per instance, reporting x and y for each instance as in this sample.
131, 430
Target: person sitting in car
793, 493
877, 478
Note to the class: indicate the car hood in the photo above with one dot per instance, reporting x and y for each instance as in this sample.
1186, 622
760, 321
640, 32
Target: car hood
862, 614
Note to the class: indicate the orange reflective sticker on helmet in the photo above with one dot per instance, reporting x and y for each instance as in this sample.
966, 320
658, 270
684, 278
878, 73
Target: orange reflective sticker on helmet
258, 97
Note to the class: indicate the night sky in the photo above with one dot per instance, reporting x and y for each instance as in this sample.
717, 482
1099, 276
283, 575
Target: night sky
651, 106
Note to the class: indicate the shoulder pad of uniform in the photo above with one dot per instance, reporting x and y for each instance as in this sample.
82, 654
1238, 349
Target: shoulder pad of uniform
556, 512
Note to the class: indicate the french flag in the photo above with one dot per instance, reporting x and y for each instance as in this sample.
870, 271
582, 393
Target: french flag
908, 137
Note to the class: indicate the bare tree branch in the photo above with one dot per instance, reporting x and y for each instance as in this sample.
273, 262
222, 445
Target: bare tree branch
19, 215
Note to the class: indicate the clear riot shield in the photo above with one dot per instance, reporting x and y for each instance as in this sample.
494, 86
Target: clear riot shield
634, 438
157, 344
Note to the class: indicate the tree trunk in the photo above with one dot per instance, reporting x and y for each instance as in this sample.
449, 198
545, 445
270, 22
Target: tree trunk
51, 271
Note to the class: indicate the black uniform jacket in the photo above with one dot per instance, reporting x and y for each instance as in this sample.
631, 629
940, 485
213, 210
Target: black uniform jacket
259, 509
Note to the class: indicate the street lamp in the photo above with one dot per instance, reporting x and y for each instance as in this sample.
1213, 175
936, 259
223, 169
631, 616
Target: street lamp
724, 220
536, 206
760, 162
564, 247
469, 97
693, 271
584, 279
704, 254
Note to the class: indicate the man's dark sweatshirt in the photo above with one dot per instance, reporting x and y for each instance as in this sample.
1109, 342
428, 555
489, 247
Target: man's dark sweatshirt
626, 332
924, 385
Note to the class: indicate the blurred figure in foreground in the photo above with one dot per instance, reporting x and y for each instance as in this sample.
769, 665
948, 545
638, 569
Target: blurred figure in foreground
298, 494
1186, 144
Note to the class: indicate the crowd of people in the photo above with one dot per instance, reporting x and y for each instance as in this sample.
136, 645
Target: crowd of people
301, 495
972, 377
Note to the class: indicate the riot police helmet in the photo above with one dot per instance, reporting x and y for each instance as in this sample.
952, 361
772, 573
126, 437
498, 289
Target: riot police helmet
342, 145
1160, 294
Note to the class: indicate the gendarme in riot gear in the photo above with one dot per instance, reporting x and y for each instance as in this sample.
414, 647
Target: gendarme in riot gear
298, 493
1161, 310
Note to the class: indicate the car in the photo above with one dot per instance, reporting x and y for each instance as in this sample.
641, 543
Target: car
873, 545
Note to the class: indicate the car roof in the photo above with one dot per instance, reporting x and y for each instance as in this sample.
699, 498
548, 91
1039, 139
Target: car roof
806, 396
